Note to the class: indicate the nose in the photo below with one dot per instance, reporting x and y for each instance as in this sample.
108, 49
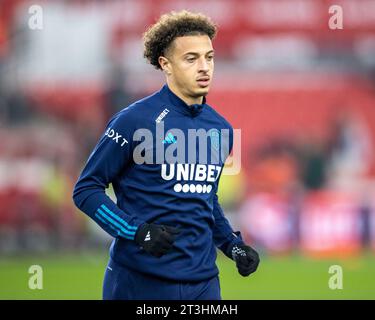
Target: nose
203, 65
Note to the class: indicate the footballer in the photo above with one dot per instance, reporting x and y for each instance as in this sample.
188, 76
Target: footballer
167, 222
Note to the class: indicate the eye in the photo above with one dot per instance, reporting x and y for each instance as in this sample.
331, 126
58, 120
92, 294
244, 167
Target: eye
190, 59
210, 57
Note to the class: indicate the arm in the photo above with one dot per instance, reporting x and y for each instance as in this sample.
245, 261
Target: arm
230, 242
110, 156
224, 236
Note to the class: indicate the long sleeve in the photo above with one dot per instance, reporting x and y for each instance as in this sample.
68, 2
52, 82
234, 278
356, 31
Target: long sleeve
110, 156
224, 236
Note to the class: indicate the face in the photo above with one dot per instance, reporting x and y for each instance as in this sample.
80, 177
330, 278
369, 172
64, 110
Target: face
189, 66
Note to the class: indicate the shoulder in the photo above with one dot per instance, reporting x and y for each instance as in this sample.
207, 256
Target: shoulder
227, 134
139, 113
214, 114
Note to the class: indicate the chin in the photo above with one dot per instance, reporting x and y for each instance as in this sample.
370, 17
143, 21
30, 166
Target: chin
203, 91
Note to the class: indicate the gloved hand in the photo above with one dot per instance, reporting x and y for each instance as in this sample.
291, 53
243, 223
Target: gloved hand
246, 258
156, 239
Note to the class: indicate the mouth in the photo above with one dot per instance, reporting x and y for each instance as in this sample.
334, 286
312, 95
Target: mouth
203, 81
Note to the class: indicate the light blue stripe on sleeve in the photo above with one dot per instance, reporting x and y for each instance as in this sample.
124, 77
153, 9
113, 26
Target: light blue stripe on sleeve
118, 232
114, 223
118, 218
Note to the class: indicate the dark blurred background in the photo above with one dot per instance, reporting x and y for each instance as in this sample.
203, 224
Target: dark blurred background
302, 94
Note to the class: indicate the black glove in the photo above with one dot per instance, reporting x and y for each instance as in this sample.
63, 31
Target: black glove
246, 258
156, 239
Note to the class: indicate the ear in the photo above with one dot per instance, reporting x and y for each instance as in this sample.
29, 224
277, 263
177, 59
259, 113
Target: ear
165, 65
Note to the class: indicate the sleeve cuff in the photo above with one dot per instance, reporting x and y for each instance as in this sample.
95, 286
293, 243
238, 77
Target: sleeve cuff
228, 246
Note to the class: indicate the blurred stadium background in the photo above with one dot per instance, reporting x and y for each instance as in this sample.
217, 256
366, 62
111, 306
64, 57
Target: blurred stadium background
302, 94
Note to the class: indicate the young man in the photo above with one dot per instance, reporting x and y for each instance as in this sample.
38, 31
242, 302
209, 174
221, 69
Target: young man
167, 221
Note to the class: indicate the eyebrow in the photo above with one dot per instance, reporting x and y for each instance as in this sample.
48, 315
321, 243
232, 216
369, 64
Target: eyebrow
197, 54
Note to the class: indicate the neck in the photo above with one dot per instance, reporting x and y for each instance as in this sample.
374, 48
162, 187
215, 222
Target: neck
187, 99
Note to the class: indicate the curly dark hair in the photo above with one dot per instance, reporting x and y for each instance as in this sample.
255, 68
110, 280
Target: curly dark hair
160, 35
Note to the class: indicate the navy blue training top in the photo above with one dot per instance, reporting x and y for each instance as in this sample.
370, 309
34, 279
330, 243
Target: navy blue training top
160, 176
